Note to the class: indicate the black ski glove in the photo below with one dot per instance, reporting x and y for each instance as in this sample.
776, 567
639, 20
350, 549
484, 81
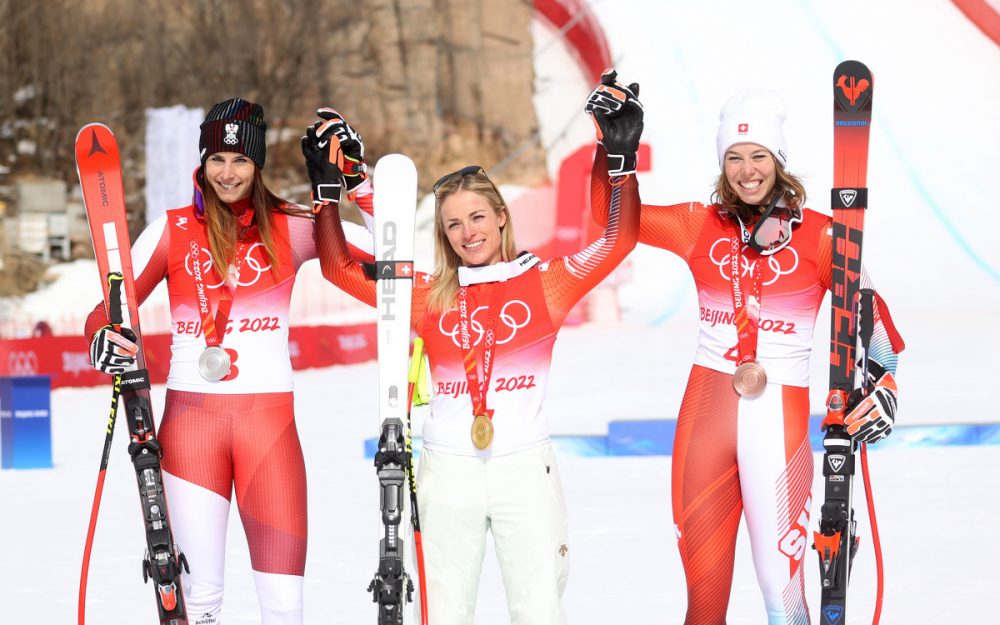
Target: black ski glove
617, 115
324, 174
349, 153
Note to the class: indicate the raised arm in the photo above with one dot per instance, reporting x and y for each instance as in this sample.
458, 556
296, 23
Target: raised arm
618, 118
335, 259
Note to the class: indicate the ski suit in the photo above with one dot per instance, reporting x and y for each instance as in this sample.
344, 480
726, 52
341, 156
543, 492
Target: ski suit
512, 488
235, 434
735, 455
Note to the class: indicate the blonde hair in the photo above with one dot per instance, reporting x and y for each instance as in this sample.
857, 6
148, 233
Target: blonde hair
222, 224
786, 184
446, 260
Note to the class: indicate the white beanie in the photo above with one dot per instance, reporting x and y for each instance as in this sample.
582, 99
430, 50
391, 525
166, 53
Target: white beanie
753, 116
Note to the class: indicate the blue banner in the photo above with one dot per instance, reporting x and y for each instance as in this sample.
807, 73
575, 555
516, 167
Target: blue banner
25, 422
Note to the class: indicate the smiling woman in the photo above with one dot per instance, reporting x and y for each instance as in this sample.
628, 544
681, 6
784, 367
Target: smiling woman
231, 175
761, 262
230, 261
489, 319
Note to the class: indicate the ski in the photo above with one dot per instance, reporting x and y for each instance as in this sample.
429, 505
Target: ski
836, 542
98, 166
395, 203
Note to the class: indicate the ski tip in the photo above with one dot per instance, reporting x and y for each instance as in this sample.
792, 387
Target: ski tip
852, 87
91, 127
396, 162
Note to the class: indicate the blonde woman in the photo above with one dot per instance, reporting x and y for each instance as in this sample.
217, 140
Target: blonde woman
487, 462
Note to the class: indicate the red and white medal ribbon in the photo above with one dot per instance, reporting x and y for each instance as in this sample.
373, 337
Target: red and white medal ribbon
749, 378
479, 384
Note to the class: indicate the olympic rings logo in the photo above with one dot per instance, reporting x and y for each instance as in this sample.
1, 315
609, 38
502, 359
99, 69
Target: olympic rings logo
746, 267
250, 261
22, 363
514, 315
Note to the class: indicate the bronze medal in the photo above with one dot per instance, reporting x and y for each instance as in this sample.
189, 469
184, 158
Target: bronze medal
214, 363
750, 379
482, 432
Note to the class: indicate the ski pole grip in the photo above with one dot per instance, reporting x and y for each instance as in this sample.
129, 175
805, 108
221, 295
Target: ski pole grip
115, 280
866, 317
866, 326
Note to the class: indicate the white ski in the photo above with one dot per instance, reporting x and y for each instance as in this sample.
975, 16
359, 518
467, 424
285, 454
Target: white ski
395, 182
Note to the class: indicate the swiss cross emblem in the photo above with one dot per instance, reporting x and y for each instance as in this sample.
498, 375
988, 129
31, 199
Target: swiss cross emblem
743, 129
406, 268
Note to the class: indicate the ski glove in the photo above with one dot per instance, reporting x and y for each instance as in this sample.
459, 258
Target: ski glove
324, 174
870, 417
349, 153
617, 115
113, 352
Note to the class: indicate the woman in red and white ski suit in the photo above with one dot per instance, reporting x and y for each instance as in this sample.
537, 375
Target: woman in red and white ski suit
224, 429
750, 454
508, 485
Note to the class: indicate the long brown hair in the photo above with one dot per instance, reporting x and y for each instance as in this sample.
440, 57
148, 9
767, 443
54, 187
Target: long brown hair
223, 228
446, 260
785, 183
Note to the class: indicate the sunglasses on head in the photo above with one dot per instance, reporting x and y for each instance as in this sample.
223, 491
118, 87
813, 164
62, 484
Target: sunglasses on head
465, 171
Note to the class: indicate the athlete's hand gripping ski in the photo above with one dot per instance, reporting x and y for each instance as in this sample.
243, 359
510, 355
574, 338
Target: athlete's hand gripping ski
617, 115
113, 352
872, 418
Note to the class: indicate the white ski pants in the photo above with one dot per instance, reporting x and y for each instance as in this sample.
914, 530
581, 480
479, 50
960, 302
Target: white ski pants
518, 497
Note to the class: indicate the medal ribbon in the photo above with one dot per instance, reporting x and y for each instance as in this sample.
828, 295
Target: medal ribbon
746, 305
479, 386
214, 328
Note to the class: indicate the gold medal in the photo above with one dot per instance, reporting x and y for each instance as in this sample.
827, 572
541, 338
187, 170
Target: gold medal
482, 432
750, 379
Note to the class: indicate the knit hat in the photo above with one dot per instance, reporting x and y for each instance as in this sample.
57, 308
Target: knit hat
753, 116
235, 125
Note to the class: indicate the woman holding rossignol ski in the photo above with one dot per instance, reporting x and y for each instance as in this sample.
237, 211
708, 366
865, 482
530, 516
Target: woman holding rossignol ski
230, 260
762, 264
487, 462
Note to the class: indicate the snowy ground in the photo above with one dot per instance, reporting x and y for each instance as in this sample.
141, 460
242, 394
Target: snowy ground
934, 508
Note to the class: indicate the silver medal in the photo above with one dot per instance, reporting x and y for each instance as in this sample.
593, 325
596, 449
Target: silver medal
214, 363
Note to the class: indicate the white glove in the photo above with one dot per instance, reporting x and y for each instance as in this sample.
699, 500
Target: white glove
872, 418
113, 352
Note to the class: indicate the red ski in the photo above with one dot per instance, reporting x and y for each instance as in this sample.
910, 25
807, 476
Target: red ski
99, 168
836, 542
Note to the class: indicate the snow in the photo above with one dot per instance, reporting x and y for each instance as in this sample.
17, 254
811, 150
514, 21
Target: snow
932, 508
930, 230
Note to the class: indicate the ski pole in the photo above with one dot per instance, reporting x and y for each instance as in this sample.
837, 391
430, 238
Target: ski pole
114, 306
413, 378
866, 326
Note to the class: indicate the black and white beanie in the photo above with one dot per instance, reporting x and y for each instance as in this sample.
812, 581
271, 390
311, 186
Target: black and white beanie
235, 125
